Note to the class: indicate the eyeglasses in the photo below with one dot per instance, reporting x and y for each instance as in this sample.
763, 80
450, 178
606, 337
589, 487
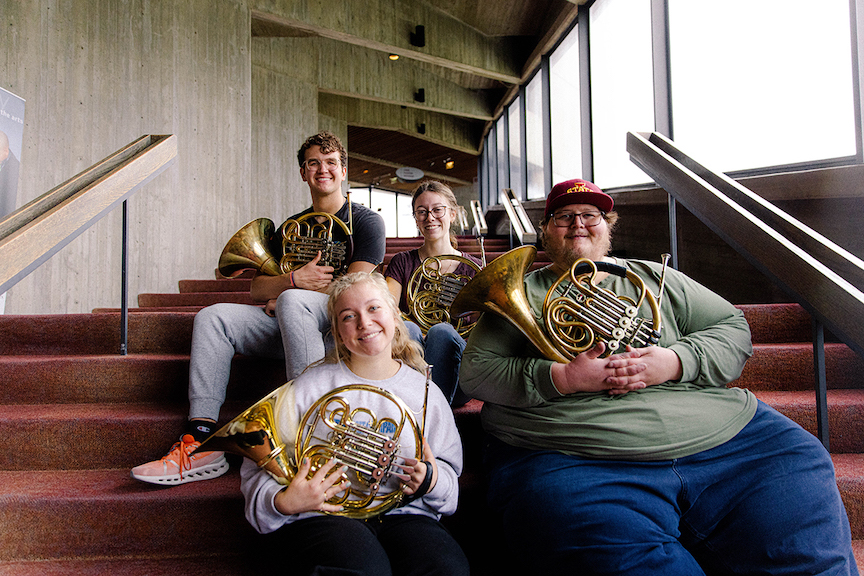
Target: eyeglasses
436, 211
588, 219
314, 165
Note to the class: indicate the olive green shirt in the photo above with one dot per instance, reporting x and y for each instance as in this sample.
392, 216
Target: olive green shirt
522, 407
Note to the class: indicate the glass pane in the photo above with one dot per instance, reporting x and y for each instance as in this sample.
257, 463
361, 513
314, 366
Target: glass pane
780, 93
566, 121
405, 220
361, 196
534, 137
515, 148
622, 86
385, 204
501, 134
491, 152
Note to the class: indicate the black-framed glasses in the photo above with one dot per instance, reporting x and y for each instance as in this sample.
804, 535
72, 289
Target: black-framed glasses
314, 165
436, 211
588, 219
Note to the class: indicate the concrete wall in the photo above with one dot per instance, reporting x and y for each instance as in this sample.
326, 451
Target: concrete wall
97, 74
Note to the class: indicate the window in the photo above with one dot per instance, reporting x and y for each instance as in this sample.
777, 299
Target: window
514, 120
768, 83
534, 138
502, 135
622, 86
566, 110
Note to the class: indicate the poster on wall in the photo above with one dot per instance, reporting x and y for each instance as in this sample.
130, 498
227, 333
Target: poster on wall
11, 141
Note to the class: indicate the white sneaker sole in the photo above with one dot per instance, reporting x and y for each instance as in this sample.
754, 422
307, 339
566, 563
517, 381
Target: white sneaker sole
208, 472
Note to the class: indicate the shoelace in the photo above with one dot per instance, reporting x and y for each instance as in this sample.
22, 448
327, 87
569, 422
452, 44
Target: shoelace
184, 447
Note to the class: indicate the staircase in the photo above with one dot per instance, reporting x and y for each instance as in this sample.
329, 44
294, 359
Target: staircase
75, 416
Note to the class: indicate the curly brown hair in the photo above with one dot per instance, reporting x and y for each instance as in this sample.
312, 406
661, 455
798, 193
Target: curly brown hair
328, 142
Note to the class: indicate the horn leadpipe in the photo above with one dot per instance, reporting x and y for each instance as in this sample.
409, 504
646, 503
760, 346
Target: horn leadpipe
665, 258
426, 399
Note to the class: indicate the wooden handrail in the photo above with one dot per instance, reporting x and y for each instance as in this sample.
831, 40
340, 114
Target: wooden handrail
823, 277
38, 230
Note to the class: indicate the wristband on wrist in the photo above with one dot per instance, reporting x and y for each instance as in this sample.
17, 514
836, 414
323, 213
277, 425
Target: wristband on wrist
425, 485
291, 278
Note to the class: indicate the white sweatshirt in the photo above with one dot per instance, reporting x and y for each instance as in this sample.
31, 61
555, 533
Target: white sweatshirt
260, 488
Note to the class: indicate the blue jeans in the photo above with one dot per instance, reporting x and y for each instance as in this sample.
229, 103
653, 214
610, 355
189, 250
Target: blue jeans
444, 348
765, 502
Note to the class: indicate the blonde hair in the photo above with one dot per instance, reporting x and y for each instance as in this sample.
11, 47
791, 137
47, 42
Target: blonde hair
445, 192
403, 347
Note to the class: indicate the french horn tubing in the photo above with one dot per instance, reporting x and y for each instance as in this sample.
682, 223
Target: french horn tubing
339, 425
576, 312
255, 246
430, 293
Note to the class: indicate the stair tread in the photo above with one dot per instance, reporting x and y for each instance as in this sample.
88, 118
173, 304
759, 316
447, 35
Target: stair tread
107, 484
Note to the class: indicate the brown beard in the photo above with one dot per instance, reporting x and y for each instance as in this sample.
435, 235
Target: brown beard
564, 257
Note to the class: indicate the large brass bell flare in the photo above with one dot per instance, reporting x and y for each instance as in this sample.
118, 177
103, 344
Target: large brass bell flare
500, 288
248, 249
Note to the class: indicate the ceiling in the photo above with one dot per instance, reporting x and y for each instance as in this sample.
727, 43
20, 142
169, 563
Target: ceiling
490, 48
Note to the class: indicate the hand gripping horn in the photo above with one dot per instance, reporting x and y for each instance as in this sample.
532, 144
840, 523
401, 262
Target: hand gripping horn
577, 313
363, 427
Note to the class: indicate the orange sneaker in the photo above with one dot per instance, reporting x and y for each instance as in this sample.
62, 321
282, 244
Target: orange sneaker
180, 465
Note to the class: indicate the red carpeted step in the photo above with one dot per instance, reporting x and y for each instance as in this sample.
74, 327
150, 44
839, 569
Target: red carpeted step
790, 367
165, 332
845, 414
224, 285
123, 379
193, 299
107, 514
93, 436
778, 322
849, 469
189, 563
192, 309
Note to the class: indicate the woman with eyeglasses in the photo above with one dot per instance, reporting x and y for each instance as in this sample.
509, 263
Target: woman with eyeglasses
434, 207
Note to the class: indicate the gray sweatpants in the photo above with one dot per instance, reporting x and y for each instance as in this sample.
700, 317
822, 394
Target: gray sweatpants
222, 330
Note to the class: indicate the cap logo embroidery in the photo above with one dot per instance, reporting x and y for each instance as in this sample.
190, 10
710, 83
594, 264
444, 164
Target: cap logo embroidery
579, 188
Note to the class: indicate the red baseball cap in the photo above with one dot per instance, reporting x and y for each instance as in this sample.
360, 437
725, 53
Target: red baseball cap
578, 192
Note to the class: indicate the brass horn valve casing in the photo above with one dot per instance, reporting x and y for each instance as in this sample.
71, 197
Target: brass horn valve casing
576, 312
430, 293
339, 425
256, 245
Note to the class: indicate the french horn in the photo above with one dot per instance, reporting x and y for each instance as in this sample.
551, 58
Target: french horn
340, 426
576, 312
256, 245
430, 293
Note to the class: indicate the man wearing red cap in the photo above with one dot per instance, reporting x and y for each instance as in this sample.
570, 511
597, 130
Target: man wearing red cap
645, 462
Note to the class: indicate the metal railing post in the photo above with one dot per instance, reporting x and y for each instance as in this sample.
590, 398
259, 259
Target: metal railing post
124, 285
821, 382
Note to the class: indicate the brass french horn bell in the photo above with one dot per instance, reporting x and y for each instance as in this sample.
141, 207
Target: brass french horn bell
248, 248
499, 288
301, 240
577, 313
336, 426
